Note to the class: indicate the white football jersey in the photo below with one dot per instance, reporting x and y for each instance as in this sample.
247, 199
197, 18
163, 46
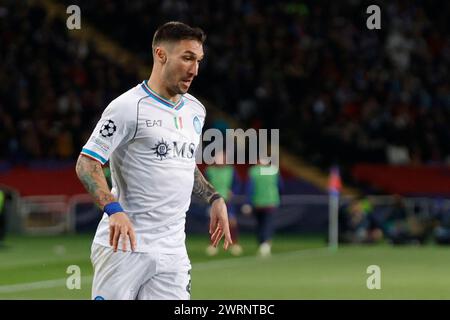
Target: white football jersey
151, 144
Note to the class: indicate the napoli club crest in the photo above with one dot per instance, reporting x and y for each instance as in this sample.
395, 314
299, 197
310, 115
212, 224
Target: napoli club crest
197, 125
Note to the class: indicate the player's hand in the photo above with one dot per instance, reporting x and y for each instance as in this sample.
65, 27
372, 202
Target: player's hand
219, 225
120, 226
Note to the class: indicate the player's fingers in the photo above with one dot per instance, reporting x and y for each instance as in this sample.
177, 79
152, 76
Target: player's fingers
212, 225
228, 239
219, 237
116, 238
226, 244
111, 235
215, 235
132, 239
123, 235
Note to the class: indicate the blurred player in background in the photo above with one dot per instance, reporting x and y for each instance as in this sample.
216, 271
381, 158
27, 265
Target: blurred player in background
150, 135
400, 227
263, 191
224, 179
357, 223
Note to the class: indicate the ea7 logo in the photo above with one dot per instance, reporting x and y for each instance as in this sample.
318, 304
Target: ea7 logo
153, 123
374, 280
374, 20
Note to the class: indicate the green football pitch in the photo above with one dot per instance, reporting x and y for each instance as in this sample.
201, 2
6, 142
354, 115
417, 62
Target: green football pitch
300, 268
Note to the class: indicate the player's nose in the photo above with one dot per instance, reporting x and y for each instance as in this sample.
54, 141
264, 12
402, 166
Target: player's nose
193, 70
196, 69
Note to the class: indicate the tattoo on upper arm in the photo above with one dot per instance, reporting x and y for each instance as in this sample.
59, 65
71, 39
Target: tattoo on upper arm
91, 174
202, 188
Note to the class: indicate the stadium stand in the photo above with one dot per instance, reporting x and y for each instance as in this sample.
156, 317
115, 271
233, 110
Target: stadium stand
366, 100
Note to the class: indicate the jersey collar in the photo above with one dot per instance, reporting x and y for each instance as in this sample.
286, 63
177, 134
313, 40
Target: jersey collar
152, 94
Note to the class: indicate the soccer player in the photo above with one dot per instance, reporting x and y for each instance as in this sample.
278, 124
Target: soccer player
263, 191
150, 135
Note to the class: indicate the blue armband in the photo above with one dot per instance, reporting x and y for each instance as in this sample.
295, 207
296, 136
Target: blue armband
112, 208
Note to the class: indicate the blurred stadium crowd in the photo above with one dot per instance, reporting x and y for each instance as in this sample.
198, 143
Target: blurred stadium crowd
52, 87
361, 220
340, 92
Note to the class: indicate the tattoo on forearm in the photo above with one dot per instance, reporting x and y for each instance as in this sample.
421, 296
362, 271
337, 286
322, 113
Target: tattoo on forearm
91, 175
202, 188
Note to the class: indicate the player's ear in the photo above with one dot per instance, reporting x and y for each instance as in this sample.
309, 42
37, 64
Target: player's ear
161, 55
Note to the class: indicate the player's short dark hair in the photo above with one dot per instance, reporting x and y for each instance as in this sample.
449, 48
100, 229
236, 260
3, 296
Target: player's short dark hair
177, 31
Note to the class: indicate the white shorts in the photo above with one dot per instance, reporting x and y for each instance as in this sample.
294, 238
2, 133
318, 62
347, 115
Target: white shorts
139, 275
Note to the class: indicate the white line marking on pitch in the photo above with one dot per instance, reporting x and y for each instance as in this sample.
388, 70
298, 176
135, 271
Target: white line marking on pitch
39, 285
228, 262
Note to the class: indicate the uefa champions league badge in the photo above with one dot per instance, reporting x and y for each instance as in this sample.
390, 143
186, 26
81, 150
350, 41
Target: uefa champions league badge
197, 125
108, 128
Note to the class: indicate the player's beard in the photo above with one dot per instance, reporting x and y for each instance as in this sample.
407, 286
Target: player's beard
182, 87
178, 86
175, 89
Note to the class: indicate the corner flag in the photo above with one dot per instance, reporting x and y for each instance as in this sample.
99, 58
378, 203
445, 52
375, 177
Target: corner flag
334, 188
334, 181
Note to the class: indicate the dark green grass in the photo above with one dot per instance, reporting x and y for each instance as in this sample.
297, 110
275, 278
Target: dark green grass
301, 268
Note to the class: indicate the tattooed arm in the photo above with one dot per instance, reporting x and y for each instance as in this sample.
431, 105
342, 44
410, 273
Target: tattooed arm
90, 173
203, 189
219, 225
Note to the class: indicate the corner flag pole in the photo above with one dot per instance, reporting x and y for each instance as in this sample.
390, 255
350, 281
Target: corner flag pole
334, 187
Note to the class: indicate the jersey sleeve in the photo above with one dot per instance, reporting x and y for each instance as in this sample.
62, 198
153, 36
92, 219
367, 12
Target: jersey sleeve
116, 126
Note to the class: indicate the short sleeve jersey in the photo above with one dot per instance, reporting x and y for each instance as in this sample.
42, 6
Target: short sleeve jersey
151, 144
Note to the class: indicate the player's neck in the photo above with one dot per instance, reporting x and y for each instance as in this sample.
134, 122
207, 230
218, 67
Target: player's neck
162, 90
